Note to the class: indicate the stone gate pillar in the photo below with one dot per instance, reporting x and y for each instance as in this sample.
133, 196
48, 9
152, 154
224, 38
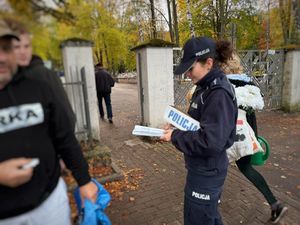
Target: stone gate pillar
291, 81
154, 61
78, 59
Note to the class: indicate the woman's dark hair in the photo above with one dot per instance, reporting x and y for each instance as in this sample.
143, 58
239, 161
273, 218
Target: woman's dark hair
224, 53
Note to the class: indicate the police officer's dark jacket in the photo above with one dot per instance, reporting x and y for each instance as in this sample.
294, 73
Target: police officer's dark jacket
214, 105
33, 124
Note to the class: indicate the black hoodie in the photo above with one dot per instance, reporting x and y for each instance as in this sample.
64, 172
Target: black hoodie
37, 71
214, 105
33, 124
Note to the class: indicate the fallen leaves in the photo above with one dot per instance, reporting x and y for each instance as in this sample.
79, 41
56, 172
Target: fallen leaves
94, 172
129, 183
116, 188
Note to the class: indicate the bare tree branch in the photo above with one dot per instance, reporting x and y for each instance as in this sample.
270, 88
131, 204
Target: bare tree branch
65, 15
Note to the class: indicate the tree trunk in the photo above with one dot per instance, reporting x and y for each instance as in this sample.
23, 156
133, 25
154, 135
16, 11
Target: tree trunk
214, 17
113, 69
296, 10
189, 18
153, 21
170, 21
106, 53
175, 18
296, 15
284, 21
101, 57
218, 19
222, 19
138, 16
97, 55
220, 15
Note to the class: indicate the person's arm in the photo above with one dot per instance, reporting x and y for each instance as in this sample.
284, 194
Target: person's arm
11, 174
68, 148
217, 123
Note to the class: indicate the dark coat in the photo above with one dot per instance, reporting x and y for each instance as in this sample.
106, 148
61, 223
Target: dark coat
104, 82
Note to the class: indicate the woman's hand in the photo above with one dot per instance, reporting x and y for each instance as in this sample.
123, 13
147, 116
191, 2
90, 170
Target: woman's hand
167, 135
89, 191
167, 126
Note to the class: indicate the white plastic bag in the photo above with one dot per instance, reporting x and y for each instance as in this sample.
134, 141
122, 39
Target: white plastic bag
246, 142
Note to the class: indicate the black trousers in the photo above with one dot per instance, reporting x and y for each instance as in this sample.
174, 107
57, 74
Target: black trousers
107, 101
202, 194
201, 213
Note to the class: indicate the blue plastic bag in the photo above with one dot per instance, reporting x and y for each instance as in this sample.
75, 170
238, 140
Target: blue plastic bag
93, 213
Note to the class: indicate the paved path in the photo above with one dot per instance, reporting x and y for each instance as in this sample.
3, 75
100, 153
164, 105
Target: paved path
159, 198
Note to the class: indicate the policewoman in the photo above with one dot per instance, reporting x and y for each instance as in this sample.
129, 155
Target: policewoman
213, 104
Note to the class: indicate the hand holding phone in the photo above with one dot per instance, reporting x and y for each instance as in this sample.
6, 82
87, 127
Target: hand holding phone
11, 174
33, 163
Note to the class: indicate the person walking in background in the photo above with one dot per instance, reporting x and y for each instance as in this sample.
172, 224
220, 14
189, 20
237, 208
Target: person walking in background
34, 125
34, 67
104, 83
234, 71
214, 105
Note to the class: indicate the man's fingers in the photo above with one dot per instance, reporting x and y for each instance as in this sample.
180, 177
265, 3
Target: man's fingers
19, 177
11, 173
89, 191
18, 162
26, 172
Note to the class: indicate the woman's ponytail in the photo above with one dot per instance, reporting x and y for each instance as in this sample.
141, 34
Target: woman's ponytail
224, 51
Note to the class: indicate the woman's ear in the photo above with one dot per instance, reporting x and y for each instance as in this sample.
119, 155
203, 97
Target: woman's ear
209, 63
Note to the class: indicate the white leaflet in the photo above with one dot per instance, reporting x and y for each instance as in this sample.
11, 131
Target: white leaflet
147, 131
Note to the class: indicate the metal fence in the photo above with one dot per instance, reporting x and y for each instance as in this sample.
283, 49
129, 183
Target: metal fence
266, 68
76, 90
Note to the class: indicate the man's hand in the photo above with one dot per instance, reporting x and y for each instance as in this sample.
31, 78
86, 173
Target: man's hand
89, 191
12, 175
167, 135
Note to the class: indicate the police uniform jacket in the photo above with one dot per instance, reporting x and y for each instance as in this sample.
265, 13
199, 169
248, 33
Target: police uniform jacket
214, 105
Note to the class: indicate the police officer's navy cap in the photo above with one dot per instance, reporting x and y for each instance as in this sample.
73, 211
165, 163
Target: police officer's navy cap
193, 49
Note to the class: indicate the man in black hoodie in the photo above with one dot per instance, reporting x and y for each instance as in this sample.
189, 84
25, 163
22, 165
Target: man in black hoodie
10, 174
33, 125
35, 68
